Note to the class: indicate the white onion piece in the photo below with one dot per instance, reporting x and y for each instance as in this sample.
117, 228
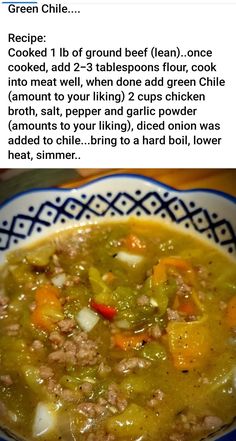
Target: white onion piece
44, 420
153, 302
130, 259
87, 319
59, 280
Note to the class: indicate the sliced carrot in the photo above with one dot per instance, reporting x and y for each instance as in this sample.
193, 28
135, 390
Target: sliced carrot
48, 308
231, 313
128, 341
177, 262
132, 242
47, 294
159, 273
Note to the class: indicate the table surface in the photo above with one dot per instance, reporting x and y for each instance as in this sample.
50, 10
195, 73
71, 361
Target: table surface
218, 179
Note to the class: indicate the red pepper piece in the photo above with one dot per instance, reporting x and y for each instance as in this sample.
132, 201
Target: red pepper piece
108, 312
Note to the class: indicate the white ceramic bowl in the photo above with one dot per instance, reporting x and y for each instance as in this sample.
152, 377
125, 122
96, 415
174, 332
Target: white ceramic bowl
34, 214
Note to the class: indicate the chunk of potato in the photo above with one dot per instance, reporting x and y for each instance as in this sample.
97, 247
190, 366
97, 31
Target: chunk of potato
135, 421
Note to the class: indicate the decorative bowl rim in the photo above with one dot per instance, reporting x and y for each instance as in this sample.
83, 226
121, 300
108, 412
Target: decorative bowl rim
141, 177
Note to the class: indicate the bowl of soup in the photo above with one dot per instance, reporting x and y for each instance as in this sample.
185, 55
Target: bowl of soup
118, 313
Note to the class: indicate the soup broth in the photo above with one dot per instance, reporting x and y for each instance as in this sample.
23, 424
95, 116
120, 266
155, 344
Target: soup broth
118, 332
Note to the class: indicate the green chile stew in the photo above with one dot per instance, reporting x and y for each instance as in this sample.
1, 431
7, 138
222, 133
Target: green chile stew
118, 332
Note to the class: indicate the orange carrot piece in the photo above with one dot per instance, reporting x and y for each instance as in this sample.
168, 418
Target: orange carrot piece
47, 294
132, 242
48, 308
127, 341
177, 262
231, 313
159, 273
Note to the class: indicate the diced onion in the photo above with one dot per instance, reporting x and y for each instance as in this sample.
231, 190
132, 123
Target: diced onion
87, 319
59, 280
44, 420
130, 259
153, 302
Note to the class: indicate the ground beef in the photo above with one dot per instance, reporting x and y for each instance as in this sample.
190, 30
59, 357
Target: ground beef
63, 357
76, 350
115, 398
103, 369
86, 388
91, 410
100, 436
67, 325
130, 364
173, 315
6, 380
155, 331
56, 339
177, 437
36, 345
13, 330
182, 287
157, 396
45, 372
189, 423
66, 394
212, 422
143, 300
87, 353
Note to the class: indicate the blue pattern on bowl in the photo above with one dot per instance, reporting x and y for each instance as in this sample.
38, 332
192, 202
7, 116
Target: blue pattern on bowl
210, 213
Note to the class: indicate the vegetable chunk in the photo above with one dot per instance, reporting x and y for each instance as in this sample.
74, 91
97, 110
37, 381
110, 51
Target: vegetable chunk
135, 421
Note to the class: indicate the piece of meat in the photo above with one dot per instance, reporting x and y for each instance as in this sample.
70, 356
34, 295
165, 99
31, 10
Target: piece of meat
155, 331
103, 369
211, 422
115, 398
172, 314
63, 357
86, 350
143, 300
100, 436
13, 329
86, 388
190, 423
157, 396
67, 325
130, 364
56, 339
45, 372
177, 437
91, 410
6, 380
76, 350
36, 345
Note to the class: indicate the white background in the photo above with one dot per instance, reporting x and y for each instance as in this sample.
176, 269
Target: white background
192, 25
